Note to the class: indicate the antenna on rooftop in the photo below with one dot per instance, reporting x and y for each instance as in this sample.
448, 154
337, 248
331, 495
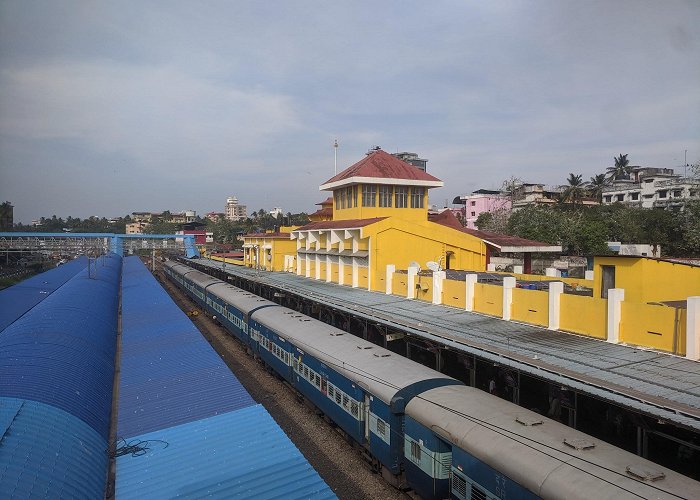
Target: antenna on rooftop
335, 157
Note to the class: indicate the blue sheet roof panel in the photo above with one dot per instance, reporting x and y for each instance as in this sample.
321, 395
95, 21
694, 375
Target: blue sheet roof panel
241, 454
62, 352
16, 300
48, 453
169, 374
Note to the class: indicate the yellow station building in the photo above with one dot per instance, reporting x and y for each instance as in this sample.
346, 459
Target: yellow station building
378, 215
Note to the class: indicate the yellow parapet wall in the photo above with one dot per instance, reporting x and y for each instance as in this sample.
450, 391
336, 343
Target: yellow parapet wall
234, 262
530, 306
584, 315
653, 325
488, 299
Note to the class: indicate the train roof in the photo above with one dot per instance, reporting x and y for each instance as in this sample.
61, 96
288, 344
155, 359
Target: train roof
242, 300
531, 449
384, 373
201, 279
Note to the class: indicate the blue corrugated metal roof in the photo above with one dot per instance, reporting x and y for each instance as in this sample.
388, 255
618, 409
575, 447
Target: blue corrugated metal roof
241, 454
62, 352
20, 298
48, 453
169, 374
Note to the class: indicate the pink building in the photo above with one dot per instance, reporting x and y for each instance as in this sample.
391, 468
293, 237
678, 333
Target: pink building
482, 200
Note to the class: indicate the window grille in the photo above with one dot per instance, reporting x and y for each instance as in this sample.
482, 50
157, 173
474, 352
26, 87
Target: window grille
385, 195
459, 486
354, 409
477, 493
381, 427
369, 195
401, 195
337, 397
417, 197
415, 451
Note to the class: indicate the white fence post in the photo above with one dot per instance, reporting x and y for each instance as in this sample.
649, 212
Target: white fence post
508, 285
556, 288
692, 330
615, 298
390, 270
411, 287
438, 278
491, 267
471, 280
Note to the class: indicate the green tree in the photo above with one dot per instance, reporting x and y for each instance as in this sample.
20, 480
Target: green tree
596, 185
575, 190
621, 170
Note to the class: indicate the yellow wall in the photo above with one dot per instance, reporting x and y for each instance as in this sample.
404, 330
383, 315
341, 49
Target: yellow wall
233, 262
399, 284
584, 315
425, 292
488, 299
530, 306
398, 242
454, 293
649, 280
653, 326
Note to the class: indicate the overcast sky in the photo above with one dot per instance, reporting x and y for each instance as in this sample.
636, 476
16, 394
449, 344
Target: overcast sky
112, 107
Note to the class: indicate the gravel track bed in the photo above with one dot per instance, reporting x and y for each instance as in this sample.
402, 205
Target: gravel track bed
336, 460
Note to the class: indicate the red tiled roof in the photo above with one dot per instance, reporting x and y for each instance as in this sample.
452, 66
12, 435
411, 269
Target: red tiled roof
447, 218
339, 224
267, 235
324, 212
327, 201
380, 164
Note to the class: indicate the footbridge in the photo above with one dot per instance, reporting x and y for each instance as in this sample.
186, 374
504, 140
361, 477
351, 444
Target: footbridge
95, 243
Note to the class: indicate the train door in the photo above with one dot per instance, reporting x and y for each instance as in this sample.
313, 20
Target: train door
442, 468
365, 413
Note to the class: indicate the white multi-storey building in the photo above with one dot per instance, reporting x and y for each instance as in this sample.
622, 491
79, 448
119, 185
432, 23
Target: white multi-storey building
653, 188
234, 211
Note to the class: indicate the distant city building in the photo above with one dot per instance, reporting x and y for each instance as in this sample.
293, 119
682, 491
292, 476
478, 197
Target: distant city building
480, 201
183, 217
136, 227
276, 211
6, 216
36, 223
413, 159
234, 211
143, 216
214, 216
653, 188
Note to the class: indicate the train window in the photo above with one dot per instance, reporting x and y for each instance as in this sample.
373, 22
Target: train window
381, 427
306, 372
354, 409
477, 493
459, 485
337, 397
346, 400
331, 391
415, 450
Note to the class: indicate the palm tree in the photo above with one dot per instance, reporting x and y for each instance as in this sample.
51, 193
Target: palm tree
575, 191
596, 185
621, 170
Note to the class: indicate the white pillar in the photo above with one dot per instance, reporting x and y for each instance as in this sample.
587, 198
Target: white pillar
308, 266
692, 329
551, 272
508, 285
411, 282
615, 298
355, 273
556, 288
518, 269
299, 257
588, 275
491, 267
341, 271
390, 270
329, 268
317, 273
438, 278
470, 282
